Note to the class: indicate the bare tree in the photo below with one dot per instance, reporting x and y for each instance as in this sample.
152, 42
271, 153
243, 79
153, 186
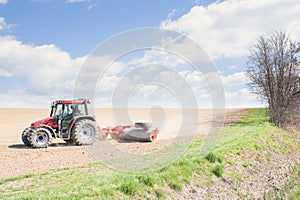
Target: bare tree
274, 71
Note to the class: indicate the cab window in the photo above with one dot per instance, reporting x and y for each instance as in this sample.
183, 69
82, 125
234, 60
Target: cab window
59, 110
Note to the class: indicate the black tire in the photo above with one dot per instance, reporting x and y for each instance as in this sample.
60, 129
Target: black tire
84, 132
40, 138
25, 136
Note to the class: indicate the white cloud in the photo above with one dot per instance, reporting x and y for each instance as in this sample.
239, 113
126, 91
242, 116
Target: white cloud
173, 51
3, 1
232, 67
3, 24
236, 92
235, 89
107, 83
225, 29
234, 82
229, 28
155, 56
40, 70
153, 95
5, 73
242, 99
91, 6
171, 14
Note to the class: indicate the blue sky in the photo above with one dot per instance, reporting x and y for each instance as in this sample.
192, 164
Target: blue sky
78, 27
43, 43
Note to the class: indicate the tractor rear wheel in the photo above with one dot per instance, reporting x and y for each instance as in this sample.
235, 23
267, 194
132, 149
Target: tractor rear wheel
40, 138
25, 136
84, 132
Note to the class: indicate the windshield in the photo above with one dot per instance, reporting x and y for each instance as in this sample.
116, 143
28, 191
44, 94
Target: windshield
69, 109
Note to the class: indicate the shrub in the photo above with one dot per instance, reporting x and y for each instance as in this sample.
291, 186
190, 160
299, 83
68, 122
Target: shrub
245, 164
176, 185
129, 187
257, 147
160, 193
213, 157
218, 170
147, 180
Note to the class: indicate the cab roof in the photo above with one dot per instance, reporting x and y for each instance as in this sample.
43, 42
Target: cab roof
72, 101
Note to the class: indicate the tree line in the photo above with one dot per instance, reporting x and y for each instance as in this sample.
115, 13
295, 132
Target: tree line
273, 69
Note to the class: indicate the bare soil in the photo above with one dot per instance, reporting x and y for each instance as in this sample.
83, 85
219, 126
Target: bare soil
17, 159
266, 172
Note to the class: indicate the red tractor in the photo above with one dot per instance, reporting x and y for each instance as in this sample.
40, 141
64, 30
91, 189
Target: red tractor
69, 120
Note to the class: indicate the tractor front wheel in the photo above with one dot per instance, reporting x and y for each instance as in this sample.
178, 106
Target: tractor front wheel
25, 136
84, 132
40, 138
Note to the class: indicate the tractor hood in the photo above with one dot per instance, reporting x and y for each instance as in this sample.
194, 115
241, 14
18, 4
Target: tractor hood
49, 121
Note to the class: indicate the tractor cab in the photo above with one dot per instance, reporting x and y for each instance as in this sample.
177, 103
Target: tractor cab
64, 112
68, 108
